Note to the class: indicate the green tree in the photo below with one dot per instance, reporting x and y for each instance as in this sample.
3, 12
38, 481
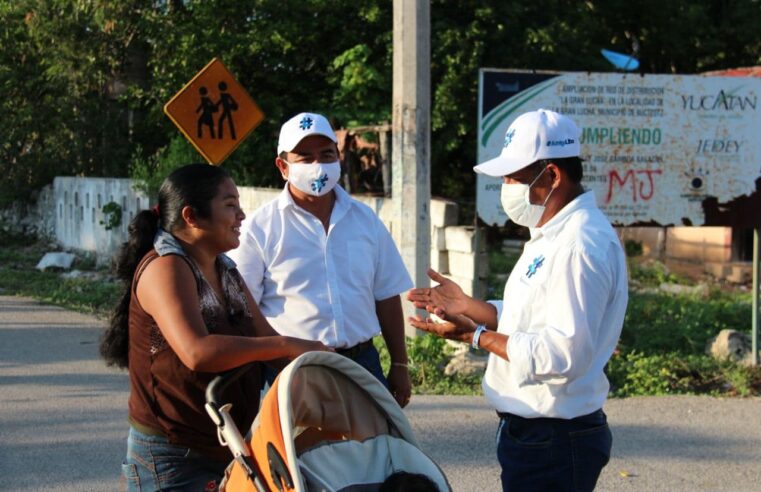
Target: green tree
59, 71
84, 81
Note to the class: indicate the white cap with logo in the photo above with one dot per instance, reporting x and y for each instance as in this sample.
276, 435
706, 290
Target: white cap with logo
301, 126
533, 136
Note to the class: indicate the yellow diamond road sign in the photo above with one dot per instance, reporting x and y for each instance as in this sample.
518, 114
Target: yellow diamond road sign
214, 112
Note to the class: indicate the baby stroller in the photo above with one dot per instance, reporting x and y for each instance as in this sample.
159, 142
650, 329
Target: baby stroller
326, 424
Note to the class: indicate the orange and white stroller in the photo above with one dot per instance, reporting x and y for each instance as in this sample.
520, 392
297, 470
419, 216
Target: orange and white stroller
326, 424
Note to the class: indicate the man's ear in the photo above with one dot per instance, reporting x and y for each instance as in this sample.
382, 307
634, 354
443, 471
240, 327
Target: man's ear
556, 175
189, 216
282, 166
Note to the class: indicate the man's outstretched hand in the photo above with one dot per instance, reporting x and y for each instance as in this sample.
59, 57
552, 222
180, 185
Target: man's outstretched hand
458, 328
446, 299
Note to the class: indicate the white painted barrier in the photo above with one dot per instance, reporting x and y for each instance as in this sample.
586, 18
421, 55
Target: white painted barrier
77, 221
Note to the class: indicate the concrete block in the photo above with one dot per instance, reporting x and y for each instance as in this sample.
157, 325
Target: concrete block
731, 345
440, 261
56, 260
438, 238
468, 265
443, 212
741, 273
461, 238
718, 270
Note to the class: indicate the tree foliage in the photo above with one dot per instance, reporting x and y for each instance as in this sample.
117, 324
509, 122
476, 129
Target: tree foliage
84, 81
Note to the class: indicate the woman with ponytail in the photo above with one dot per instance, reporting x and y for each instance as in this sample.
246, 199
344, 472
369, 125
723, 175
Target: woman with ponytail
185, 316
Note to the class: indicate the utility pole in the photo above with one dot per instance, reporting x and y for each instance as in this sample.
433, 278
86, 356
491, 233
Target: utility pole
411, 139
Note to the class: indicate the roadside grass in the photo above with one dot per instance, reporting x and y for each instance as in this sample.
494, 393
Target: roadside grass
661, 350
18, 276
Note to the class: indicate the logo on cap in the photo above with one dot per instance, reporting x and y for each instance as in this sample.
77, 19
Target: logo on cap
561, 143
509, 137
306, 123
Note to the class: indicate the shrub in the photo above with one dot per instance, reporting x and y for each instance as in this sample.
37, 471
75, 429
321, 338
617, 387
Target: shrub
653, 274
636, 373
428, 354
662, 323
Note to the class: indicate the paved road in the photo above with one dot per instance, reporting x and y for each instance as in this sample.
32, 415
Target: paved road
63, 422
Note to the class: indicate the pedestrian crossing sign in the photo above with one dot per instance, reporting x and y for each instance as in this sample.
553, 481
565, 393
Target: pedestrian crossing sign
214, 112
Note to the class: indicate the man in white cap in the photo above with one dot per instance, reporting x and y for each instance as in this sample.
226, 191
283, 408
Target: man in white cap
321, 265
559, 321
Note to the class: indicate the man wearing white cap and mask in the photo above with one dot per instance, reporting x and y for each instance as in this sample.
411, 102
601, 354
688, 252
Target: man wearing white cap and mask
321, 265
560, 318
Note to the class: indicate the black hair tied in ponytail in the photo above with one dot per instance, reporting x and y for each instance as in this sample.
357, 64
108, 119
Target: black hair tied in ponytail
114, 345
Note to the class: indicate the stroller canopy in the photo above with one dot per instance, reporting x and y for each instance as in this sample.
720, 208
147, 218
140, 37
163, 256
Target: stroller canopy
328, 424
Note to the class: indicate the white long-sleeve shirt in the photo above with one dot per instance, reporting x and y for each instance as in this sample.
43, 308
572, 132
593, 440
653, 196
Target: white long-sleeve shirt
563, 310
319, 286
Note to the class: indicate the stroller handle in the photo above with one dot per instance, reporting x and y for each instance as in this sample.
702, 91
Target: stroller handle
221, 382
226, 430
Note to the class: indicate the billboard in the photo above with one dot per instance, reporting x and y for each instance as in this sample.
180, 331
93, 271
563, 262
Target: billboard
657, 149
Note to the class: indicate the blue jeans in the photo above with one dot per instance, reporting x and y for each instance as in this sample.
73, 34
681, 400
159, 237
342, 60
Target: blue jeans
545, 454
153, 463
367, 358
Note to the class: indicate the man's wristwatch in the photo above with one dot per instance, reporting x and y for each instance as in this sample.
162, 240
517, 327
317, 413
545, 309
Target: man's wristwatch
477, 336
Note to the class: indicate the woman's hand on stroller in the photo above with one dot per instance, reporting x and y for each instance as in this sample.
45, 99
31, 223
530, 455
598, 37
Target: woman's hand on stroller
299, 346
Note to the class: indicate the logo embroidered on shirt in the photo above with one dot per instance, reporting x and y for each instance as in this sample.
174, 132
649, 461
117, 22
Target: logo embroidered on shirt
319, 183
534, 266
305, 123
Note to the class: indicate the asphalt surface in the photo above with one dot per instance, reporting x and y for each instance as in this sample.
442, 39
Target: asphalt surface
63, 422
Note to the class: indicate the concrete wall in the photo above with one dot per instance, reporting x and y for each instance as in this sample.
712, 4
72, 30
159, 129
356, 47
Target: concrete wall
702, 244
31, 218
72, 213
698, 244
691, 251
78, 211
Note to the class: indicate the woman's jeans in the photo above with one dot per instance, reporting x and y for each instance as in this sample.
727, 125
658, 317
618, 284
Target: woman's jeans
153, 463
553, 454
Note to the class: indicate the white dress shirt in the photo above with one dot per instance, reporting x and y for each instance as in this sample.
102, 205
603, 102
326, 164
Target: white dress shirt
563, 309
320, 286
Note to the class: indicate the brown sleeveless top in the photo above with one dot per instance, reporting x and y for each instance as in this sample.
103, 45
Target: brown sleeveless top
165, 395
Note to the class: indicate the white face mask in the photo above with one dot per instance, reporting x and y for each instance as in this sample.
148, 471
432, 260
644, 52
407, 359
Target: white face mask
515, 200
314, 179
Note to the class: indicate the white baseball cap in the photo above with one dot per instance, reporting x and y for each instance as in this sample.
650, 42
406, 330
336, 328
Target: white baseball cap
533, 136
301, 126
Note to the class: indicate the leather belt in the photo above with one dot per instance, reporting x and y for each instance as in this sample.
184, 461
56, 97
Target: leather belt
506, 415
353, 352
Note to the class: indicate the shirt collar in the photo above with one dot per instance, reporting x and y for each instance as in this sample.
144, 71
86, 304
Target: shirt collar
166, 244
553, 226
342, 205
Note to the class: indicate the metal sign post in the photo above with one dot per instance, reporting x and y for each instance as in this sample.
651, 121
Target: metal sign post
756, 273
